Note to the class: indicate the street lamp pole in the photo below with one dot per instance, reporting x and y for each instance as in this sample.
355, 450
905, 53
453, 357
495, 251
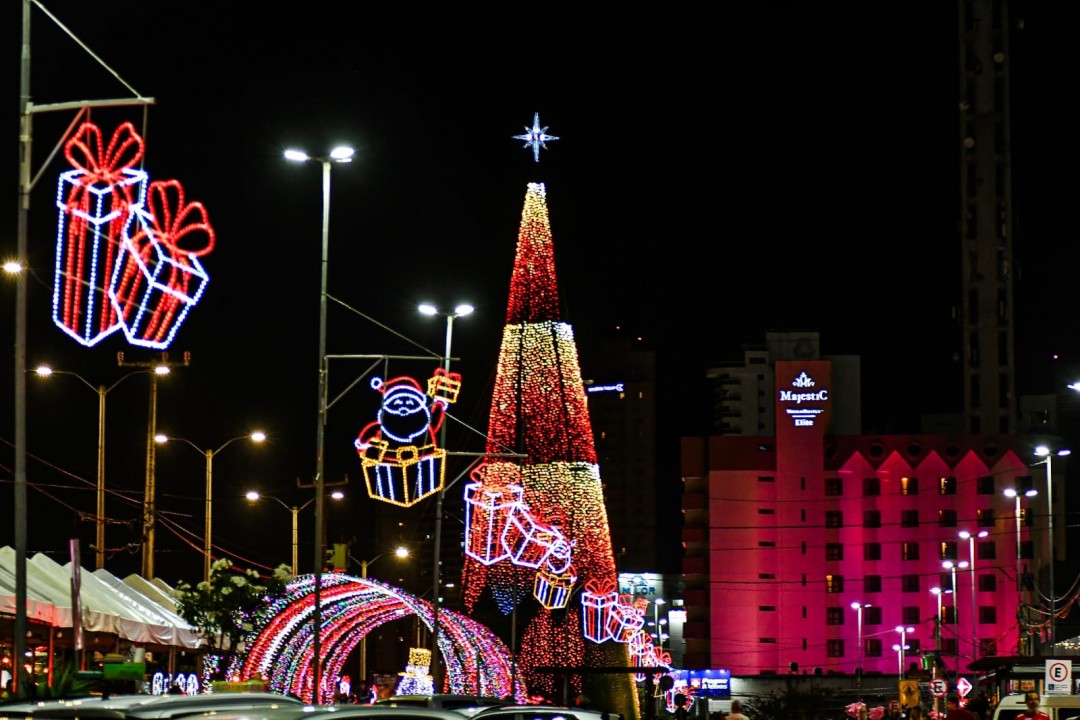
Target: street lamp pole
858, 608
966, 535
436, 664
294, 510
1014, 492
101, 391
340, 154
401, 552
256, 437
951, 567
903, 630
1043, 451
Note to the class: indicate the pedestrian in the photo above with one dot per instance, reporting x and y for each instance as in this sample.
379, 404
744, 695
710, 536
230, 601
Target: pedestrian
736, 711
915, 712
1031, 700
953, 710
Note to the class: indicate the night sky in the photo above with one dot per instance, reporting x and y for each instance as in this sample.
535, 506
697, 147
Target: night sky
760, 168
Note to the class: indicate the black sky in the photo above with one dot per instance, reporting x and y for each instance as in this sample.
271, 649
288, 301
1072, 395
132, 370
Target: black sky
717, 175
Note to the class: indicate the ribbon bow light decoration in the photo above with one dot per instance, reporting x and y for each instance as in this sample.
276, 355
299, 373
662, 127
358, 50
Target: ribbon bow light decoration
123, 259
158, 275
95, 201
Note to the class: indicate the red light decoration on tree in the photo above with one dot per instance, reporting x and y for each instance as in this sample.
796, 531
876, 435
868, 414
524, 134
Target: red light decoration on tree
538, 408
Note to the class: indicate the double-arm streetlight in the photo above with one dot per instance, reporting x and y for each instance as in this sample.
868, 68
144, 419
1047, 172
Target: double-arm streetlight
967, 535
1014, 493
45, 371
858, 608
903, 630
255, 496
952, 567
255, 437
400, 552
1046, 453
460, 311
340, 154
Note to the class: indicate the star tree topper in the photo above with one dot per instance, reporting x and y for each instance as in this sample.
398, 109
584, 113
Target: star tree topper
536, 136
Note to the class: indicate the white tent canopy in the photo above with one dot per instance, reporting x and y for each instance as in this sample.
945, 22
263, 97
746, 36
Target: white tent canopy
108, 605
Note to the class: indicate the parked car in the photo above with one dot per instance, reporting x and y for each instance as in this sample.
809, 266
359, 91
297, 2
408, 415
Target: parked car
146, 707
543, 712
335, 712
1058, 707
468, 705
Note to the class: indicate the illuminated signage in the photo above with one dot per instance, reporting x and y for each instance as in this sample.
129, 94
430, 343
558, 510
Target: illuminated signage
616, 387
802, 403
711, 683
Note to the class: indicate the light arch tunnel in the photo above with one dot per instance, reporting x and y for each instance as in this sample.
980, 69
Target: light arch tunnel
280, 649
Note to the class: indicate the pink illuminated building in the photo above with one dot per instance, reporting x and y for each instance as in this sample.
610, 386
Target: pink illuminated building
785, 533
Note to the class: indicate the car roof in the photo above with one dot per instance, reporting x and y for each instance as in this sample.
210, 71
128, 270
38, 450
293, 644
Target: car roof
118, 707
335, 712
546, 712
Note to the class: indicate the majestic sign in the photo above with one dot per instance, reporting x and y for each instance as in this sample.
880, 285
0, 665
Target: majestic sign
804, 401
1058, 677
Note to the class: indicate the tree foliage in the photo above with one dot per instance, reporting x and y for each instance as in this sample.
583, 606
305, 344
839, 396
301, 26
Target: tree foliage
227, 606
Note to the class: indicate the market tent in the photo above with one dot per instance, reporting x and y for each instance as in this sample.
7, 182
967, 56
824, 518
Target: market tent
38, 607
108, 605
177, 631
156, 589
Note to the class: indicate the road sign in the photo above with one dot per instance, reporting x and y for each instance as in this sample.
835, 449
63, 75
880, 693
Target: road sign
1058, 677
909, 693
963, 687
938, 687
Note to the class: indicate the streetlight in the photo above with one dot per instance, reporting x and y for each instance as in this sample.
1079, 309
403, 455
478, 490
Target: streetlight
1045, 452
1014, 492
401, 552
254, 496
858, 608
460, 311
340, 154
101, 390
255, 437
966, 535
951, 567
660, 636
903, 630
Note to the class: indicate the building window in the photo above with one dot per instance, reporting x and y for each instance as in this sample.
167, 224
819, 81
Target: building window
947, 486
948, 646
947, 518
948, 615
872, 584
871, 487
834, 519
834, 583
765, 479
802, 547
872, 518
766, 511
909, 551
766, 608
947, 550
909, 486
873, 648
987, 615
834, 551
914, 646
766, 576
871, 551
986, 551
767, 641
835, 649
1027, 550
909, 518
766, 543
910, 583
987, 583
834, 616
834, 486
985, 485
986, 518
909, 615
872, 615
987, 647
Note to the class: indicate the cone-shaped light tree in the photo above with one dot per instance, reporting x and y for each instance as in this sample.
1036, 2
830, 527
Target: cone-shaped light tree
538, 408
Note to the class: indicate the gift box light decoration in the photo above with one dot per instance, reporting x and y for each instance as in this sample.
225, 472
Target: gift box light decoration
158, 276
398, 453
126, 253
444, 385
552, 590
95, 201
538, 408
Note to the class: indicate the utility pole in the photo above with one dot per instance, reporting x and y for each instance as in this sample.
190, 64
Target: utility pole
159, 367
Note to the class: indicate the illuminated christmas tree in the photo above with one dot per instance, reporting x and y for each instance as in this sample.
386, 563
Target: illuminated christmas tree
538, 409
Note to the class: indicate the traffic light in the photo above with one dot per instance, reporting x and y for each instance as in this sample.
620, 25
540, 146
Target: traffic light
336, 557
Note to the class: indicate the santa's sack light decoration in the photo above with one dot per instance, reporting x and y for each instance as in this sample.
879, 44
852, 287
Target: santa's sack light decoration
401, 460
108, 234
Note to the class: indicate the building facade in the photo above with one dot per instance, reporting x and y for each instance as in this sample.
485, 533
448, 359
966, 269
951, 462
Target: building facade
809, 549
